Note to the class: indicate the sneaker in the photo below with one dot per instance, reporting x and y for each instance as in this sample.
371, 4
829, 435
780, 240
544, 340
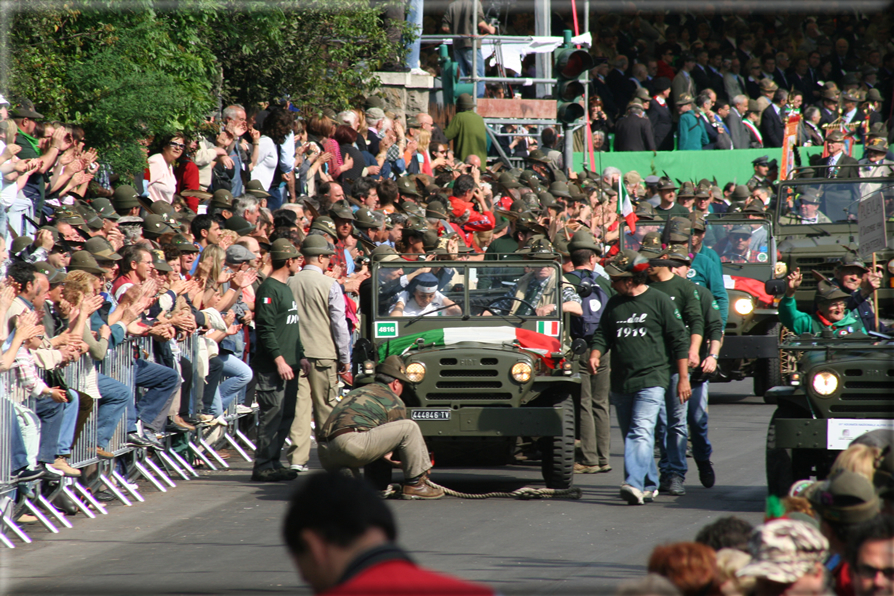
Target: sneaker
650, 495
149, 435
267, 475
61, 464
664, 483
26, 475
419, 72
706, 473
205, 418
27, 518
220, 421
585, 469
135, 439
676, 486
689, 451
632, 495
102, 453
421, 490
104, 496
240, 409
299, 467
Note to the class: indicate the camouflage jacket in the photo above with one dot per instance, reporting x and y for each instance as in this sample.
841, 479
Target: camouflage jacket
365, 408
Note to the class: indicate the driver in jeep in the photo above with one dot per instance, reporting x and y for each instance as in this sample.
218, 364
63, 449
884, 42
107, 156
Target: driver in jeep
535, 292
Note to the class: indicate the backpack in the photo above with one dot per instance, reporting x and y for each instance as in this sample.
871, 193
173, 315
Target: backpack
592, 304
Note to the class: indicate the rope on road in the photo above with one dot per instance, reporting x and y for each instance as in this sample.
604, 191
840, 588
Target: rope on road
524, 493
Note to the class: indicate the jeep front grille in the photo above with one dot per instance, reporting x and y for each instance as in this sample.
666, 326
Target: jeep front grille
468, 396
813, 264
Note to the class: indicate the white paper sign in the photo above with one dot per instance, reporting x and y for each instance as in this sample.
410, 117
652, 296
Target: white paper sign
871, 216
840, 432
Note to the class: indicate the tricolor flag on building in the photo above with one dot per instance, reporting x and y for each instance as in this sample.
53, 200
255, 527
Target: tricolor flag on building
625, 207
539, 343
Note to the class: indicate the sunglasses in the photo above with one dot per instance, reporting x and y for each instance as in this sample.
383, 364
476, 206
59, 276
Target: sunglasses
177, 145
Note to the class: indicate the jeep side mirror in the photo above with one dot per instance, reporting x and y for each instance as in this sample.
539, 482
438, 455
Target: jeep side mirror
579, 346
775, 287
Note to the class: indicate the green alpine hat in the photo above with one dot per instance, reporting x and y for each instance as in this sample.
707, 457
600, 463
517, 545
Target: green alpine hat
315, 246
125, 197
282, 249
82, 260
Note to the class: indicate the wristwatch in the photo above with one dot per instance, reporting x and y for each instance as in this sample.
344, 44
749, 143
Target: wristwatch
714, 356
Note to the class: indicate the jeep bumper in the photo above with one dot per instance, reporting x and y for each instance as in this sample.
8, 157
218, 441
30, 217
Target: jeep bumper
488, 422
749, 346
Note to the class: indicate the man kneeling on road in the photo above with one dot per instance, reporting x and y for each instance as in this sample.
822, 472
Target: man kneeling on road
370, 423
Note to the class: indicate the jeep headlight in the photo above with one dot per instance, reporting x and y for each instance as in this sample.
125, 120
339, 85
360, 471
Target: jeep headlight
825, 383
891, 266
743, 306
521, 372
416, 371
781, 270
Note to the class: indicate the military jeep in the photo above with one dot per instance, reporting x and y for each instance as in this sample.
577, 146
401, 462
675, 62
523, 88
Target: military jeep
749, 346
841, 388
486, 367
821, 246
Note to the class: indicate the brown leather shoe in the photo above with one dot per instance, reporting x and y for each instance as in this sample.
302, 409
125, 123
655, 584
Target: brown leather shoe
421, 490
104, 454
179, 421
62, 465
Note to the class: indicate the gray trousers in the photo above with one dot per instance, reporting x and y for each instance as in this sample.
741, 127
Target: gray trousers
276, 401
355, 450
595, 422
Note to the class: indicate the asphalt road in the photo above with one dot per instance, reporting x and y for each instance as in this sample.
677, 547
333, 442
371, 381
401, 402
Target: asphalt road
220, 534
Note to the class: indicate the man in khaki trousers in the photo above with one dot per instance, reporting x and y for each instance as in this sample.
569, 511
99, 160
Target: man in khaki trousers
323, 324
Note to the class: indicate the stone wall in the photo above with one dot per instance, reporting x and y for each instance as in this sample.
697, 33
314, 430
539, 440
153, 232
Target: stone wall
405, 93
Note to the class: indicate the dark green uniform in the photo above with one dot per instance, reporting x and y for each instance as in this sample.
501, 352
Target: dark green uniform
644, 333
276, 327
365, 408
685, 296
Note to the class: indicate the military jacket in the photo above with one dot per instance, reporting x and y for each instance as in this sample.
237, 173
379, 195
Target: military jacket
365, 408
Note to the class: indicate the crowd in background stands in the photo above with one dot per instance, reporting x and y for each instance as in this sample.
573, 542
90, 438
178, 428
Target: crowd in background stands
737, 75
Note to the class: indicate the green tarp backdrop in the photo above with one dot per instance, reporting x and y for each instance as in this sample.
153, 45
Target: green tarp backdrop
725, 166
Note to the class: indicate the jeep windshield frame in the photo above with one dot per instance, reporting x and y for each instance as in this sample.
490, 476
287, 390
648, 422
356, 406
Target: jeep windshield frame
839, 200
463, 290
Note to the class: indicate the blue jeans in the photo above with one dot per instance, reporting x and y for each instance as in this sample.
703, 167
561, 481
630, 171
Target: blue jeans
671, 433
19, 454
21, 207
236, 375
414, 19
50, 414
463, 57
697, 416
275, 200
160, 382
114, 399
637, 415
69, 420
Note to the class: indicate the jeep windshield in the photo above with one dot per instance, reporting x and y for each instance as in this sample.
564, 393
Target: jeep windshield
815, 204
462, 290
739, 240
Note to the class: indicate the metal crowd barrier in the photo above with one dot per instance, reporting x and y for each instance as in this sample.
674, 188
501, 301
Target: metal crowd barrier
118, 364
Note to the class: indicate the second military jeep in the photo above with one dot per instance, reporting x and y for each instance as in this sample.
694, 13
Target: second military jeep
841, 388
487, 365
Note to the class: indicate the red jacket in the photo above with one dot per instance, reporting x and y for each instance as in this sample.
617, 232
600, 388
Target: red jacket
387, 570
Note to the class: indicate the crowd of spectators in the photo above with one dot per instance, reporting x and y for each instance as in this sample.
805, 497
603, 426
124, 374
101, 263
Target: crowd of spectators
740, 76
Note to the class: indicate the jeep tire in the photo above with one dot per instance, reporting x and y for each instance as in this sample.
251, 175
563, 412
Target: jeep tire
557, 464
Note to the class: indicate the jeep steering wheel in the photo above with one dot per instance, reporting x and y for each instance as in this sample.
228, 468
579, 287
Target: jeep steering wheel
501, 298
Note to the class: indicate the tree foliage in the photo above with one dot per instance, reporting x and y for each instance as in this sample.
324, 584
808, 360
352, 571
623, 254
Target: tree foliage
127, 71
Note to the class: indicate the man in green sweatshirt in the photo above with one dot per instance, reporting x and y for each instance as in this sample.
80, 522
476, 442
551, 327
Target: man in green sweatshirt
278, 362
672, 434
467, 130
831, 310
644, 332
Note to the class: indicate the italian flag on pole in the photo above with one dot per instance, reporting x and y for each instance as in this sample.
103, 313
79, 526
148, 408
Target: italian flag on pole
625, 207
540, 344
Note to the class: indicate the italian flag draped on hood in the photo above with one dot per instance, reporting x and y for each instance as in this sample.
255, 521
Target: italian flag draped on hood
540, 344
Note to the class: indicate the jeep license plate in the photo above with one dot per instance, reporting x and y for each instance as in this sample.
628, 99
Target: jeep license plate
426, 414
